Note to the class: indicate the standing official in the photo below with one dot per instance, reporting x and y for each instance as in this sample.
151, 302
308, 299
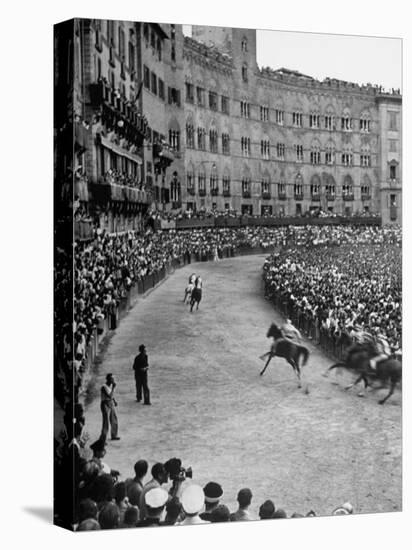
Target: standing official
140, 367
107, 406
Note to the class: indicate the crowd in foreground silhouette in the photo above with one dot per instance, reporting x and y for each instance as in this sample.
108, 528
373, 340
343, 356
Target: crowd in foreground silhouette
164, 494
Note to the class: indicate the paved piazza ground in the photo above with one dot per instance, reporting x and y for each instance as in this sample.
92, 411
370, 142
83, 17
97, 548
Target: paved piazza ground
305, 450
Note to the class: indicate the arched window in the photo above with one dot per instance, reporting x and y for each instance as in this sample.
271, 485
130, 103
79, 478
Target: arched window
213, 181
265, 186
346, 120
330, 187
329, 119
330, 153
347, 188
175, 191
298, 187
190, 134
315, 187
244, 44
226, 182
314, 117
190, 180
365, 122
213, 139
201, 181
315, 152
174, 135
366, 188
365, 155
244, 73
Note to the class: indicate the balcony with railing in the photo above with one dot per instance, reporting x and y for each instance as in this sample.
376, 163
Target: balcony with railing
214, 191
191, 191
118, 112
246, 194
348, 197
226, 192
266, 195
163, 154
330, 196
282, 195
298, 196
315, 197
202, 192
365, 196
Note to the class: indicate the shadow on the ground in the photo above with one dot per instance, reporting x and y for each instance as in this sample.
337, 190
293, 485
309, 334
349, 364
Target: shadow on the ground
44, 513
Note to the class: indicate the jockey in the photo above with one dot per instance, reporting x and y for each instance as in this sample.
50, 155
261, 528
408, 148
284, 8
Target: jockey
289, 332
198, 283
383, 349
192, 279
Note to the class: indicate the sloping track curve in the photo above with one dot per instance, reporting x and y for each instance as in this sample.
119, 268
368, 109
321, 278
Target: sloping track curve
305, 450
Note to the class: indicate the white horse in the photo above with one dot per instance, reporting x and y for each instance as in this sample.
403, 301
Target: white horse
188, 293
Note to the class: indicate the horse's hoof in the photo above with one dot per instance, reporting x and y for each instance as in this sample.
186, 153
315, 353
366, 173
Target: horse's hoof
381, 402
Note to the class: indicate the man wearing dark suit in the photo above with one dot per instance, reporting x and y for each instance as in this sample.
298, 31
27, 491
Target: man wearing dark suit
140, 367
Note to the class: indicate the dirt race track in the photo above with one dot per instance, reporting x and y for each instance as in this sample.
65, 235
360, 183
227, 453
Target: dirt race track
211, 408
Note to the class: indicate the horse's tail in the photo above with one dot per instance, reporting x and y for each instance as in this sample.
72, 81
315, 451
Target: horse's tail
305, 353
337, 365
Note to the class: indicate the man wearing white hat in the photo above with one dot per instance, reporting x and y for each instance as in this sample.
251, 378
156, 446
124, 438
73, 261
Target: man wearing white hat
192, 500
155, 500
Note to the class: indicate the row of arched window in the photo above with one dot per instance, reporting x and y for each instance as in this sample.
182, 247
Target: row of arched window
315, 182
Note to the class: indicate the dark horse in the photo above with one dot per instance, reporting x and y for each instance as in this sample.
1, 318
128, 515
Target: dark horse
289, 350
358, 361
195, 298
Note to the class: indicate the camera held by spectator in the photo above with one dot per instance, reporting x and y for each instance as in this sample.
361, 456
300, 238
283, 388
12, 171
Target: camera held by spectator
175, 470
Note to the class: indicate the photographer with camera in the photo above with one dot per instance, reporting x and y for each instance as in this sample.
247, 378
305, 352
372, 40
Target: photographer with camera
177, 475
107, 406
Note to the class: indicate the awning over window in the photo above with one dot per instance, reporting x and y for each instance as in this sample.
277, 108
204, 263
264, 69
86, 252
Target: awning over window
120, 151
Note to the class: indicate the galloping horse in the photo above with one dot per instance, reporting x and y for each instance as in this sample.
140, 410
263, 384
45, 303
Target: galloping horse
289, 350
358, 361
196, 294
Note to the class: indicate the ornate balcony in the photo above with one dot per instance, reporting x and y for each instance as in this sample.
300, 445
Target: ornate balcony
214, 191
315, 197
191, 191
365, 196
266, 195
202, 192
330, 196
348, 197
298, 196
163, 154
226, 192
246, 194
117, 112
282, 196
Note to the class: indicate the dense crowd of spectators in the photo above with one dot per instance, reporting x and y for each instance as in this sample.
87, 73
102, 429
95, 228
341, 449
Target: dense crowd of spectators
103, 500
348, 284
122, 178
339, 287
203, 213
